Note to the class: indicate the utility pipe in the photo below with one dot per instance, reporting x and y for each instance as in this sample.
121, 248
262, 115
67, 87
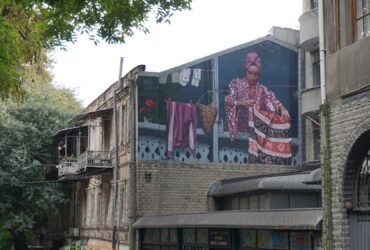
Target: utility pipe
322, 52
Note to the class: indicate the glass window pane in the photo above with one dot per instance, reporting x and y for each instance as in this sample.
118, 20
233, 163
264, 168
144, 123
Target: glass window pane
303, 200
247, 238
156, 235
202, 235
189, 235
280, 240
316, 73
235, 203
280, 200
253, 202
173, 235
263, 202
243, 203
264, 239
148, 235
164, 235
300, 241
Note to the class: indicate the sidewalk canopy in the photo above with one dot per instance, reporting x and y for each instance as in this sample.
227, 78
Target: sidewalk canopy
288, 219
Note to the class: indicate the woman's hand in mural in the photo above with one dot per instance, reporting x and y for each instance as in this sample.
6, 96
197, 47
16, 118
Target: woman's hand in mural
245, 103
284, 112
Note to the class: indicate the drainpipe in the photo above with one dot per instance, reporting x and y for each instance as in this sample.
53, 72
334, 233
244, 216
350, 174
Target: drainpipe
301, 61
133, 164
116, 165
322, 52
325, 134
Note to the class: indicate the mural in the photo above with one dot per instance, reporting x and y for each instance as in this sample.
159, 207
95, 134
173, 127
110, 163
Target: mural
237, 107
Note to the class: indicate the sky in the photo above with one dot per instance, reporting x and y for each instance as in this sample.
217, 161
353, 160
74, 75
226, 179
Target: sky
211, 26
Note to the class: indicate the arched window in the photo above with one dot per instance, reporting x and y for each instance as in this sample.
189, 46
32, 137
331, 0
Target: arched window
363, 184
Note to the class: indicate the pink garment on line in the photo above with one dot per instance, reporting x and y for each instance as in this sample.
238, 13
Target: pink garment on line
181, 126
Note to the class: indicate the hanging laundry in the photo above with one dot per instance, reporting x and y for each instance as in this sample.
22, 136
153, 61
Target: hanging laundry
185, 76
163, 79
197, 74
181, 128
175, 77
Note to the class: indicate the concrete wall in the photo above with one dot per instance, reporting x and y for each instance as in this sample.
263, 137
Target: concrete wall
348, 69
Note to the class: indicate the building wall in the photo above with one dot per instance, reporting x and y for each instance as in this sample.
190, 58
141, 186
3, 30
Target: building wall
182, 187
309, 151
347, 69
348, 82
349, 119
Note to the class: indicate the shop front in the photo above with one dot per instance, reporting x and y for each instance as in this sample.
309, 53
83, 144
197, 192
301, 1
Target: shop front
289, 229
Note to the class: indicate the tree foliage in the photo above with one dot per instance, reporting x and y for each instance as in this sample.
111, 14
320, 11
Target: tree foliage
28, 26
27, 126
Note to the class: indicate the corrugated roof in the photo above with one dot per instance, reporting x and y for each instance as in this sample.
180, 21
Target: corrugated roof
293, 182
92, 114
289, 219
68, 130
314, 177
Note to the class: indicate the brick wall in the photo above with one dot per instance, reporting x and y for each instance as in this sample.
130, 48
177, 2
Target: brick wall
182, 188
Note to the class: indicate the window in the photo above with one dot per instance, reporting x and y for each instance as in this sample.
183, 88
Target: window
124, 125
314, 4
363, 186
247, 238
315, 68
362, 19
316, 141
159, 239
316, 73
195, 235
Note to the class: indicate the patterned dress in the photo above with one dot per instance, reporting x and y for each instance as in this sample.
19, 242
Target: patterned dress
268, 131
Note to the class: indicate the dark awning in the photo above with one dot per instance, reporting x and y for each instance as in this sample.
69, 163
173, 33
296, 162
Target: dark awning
289, 219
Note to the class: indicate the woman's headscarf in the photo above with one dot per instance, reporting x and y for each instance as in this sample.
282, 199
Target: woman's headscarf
252, 58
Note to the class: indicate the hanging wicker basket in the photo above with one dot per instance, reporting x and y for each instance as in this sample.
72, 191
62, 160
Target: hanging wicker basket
208, 114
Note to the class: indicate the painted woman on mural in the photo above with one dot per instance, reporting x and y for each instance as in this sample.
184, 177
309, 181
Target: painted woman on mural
251, 107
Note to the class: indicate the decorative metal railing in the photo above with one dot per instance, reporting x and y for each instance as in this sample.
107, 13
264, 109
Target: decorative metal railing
363, 185
89, 159
152, 145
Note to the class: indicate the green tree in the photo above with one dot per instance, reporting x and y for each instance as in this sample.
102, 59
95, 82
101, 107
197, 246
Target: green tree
28, 26
27, 126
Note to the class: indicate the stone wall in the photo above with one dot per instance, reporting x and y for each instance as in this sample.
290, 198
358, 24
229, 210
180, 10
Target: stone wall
349, 119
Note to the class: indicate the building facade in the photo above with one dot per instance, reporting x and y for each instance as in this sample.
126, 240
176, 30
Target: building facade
345, 123
149, 160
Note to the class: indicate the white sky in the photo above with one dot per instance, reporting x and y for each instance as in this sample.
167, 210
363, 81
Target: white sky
211, 26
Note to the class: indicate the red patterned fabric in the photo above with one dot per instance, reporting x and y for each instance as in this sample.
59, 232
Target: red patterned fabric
269, 140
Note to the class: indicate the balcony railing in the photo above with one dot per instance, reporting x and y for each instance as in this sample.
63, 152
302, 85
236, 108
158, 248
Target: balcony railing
89, 159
